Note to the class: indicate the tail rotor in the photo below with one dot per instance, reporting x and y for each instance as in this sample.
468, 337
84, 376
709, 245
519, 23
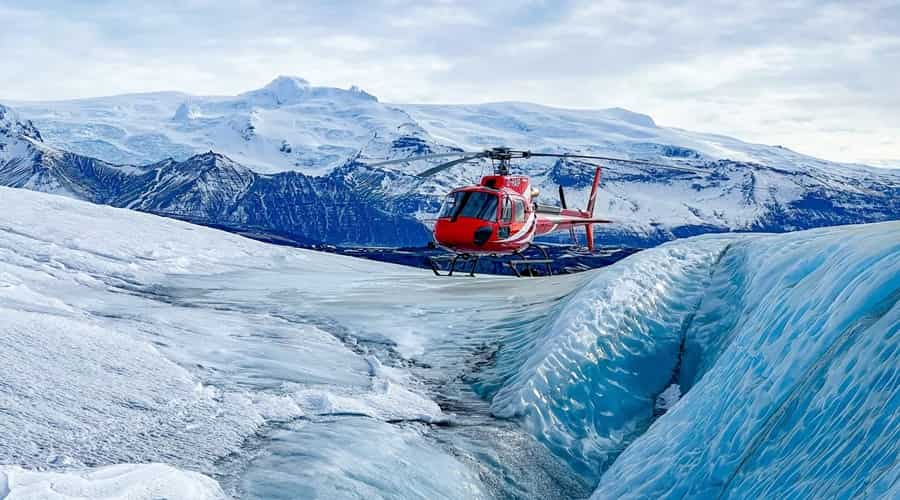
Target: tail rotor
563, 205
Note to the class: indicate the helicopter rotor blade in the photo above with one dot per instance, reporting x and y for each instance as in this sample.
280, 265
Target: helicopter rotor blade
621, 160
422, 157
444, 166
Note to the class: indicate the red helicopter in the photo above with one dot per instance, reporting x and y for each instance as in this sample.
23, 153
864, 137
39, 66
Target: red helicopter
499, 216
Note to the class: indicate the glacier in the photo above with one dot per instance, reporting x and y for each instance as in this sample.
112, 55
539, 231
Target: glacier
795, 390
786, 348
137, 347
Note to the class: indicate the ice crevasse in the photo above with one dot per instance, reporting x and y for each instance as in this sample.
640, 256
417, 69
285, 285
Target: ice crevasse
784, 346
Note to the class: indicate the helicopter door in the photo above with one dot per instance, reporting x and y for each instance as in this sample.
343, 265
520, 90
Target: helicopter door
518, 216
506, 214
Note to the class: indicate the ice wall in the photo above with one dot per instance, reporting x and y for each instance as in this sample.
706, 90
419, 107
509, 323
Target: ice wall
587, 386
786, 347
798, 382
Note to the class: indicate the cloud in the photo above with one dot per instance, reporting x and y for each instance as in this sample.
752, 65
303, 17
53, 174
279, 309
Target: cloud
816, 76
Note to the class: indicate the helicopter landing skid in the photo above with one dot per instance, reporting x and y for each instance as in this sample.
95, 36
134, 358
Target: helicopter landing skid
528, 263
435, 267
516, 265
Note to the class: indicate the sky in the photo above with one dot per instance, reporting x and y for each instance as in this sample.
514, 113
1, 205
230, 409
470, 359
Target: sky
819, 77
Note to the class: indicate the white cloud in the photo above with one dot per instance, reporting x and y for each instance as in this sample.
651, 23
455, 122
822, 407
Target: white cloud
348, 43
816, 76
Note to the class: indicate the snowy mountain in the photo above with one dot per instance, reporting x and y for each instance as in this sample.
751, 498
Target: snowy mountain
722, 366
291, 128
208, 189
286, 125
292, 125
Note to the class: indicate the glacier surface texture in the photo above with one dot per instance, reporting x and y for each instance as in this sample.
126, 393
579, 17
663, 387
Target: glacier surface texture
144, 357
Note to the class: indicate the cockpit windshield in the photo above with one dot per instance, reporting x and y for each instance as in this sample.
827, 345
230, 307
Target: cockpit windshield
474, 204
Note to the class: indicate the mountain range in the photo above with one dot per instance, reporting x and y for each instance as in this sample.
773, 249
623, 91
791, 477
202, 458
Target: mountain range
290, 159
206, 188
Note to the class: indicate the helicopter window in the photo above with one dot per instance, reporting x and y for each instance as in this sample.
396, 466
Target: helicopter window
474, 204
520, 211
449, 205
506, 214
479, 206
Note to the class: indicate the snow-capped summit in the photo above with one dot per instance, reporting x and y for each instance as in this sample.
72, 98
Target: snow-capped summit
357, 90
212, 160
25, 161
12, 126
290, 90
205, 165
281, 90
185, 113
322, 126
283, 83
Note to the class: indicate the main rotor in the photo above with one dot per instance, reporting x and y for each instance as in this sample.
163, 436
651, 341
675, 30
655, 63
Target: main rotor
502, 156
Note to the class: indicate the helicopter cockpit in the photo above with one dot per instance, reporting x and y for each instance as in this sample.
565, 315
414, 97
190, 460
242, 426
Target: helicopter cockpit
471, 204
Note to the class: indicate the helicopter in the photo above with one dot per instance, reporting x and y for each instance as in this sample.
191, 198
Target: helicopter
500, 216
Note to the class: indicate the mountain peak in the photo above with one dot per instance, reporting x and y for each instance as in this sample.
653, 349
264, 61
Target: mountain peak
281, 90
211, 159
292, 90
11, 125
355, 90
185, 113
287, 84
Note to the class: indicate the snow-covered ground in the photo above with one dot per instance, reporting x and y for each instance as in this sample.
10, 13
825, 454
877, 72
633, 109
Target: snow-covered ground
257, 371
113, 482
130, 338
